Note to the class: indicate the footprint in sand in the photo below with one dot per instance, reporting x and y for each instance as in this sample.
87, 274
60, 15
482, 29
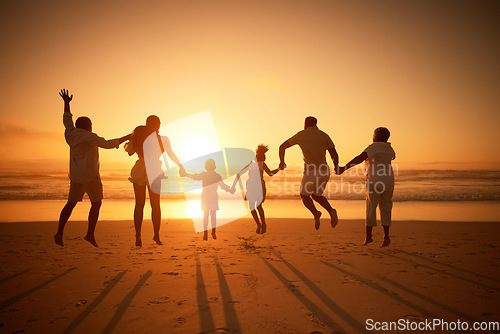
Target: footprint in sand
349, 279
161, 300
81, 302
414, 318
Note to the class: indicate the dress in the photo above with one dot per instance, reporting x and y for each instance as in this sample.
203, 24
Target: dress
256, 186
209, 196
138, 174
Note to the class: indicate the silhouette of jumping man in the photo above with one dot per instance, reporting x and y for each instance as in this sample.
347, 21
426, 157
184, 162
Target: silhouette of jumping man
139, 177
83, 168
379, 182
314, 143
256, 186
211, 181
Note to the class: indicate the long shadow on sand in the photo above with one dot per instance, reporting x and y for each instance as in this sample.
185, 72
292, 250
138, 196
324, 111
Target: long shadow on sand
126, 302
318, 312
448, 265
382, 290
74, 324
440, 271
22, 295
427, 299
8, 278
230, 315
205, 314
323, 296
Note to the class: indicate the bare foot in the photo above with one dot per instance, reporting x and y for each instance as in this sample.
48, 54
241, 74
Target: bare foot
259, 229
386, 242
317, 216
367, 241
205, 236
264, 228
157, 240
138, 241
334, 218
58, 239
91, 239
214, 236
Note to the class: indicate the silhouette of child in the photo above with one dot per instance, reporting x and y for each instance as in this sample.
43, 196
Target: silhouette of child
209, 197
379, 182
256, 186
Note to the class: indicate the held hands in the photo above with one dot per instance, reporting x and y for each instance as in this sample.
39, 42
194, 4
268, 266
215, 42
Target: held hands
65, 95
125, 138
340, 170
182, 171
232, 190
282, 165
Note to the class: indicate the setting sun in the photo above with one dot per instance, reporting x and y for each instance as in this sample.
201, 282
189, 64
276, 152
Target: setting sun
193, 136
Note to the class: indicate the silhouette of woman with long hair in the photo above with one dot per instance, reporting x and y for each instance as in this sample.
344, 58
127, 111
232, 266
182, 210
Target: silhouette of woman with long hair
256, 186
139, 177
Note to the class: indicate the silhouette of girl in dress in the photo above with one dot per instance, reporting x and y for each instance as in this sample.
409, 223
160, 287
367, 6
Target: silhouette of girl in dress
256, 186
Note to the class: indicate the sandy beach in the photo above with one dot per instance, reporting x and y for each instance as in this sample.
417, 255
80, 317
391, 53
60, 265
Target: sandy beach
293, 279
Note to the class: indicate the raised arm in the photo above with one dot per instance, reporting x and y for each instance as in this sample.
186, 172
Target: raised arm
356, 161
67, 99
67, 117
286, 144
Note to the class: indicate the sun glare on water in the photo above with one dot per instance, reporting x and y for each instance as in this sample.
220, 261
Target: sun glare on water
193, 209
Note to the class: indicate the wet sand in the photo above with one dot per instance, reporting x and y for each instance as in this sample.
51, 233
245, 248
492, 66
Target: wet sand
293, 279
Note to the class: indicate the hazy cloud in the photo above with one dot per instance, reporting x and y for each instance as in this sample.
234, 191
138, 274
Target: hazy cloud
17, 130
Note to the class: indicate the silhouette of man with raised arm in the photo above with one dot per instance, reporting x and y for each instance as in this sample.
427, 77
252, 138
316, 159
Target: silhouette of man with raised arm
314, 143
83, 168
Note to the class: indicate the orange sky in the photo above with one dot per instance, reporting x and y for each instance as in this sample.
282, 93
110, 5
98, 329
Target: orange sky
426, 70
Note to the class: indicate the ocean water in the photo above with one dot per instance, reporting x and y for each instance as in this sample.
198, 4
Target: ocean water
411, 185
435, 195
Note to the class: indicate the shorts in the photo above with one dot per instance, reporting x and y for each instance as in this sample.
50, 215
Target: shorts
92, 188
209, 201
314, 180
